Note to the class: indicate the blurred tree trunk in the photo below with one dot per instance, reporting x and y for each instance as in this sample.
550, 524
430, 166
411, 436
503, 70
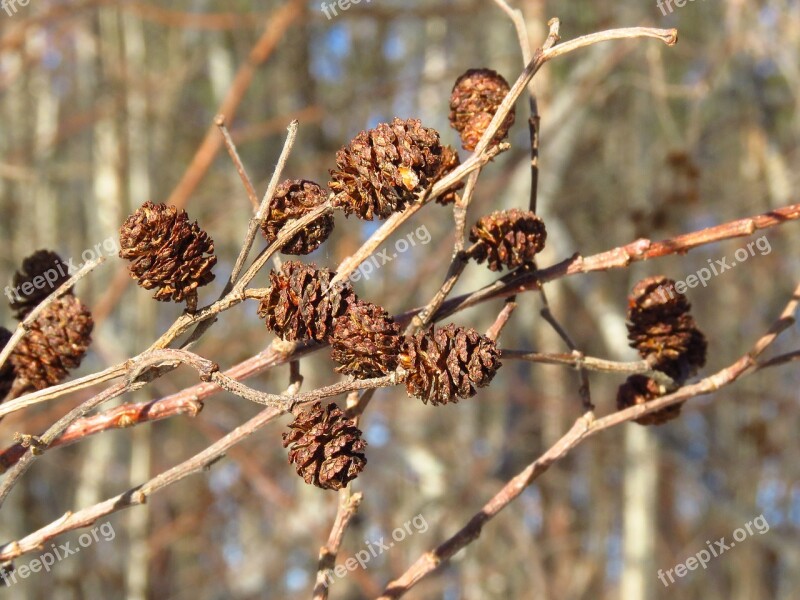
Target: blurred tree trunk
143, 323
639, 572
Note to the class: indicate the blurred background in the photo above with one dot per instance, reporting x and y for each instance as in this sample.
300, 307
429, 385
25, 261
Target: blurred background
104, 105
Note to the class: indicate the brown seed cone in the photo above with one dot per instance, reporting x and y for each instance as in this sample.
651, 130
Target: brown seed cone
326, 446
450, 162
36, 285
446, 364
365, 341
295, 198
475, 98
508, 238
639, 389
662, 330
676, 346
7, 370
382, 170
297, 306
655, 299
167, 252
56, 342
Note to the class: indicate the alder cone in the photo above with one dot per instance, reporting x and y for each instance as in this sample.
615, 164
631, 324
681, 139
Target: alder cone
449, 363
476, 96
326, 446
383, 169
365, 341
662, 330
33, 267
56, 342
639, 389
7, 370
167, 252
508, 238
676, 347
298, 305
655, 299
295, 198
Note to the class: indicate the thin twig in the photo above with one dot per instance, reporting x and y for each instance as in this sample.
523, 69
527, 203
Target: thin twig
286, 403
120, 417
493, 333
138, 495
454, 271
460, 208
780, 360
357, 402
58, 428
57, 391
253, 226
286, 233
262, 208
209, 371
219, 121
600, 365
348, 507
584, 389
534, 120
590, 363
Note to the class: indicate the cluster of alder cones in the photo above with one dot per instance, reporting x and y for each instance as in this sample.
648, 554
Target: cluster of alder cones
381, 171
56, 340
666, 335
439, 366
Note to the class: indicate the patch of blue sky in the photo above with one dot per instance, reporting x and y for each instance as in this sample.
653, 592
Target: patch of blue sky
377, 433
329, 52
394, 46
296, 579
769, 497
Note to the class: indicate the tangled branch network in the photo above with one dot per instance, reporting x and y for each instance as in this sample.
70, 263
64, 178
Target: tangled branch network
390, 173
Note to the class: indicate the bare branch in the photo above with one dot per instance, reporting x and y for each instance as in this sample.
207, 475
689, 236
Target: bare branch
121, 417
348, 507
219, 121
